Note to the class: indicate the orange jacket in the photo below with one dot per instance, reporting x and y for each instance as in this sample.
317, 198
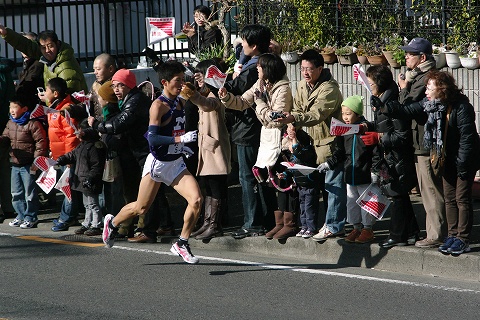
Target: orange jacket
60, 134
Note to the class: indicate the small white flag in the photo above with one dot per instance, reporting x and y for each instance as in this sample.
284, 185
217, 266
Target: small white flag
215, 77
47, 180
360, 76
63, 184
338, 128
159, 29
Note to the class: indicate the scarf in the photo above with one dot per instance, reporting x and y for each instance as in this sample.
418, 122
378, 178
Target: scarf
420, 69
433, 137
22, 120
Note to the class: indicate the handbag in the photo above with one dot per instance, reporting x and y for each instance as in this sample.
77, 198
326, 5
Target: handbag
112, 170
437, 162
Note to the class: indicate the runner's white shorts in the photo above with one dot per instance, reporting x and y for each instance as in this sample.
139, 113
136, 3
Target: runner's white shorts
163, 171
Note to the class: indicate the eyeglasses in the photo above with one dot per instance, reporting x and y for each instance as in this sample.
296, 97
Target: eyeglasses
307, 69
117, 86
430, 89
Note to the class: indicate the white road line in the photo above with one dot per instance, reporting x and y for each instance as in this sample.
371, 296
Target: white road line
314, 271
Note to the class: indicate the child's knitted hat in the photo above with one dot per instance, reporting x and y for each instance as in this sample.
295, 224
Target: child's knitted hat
106, 92
354, 103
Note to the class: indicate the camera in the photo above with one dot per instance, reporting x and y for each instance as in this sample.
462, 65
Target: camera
276, 115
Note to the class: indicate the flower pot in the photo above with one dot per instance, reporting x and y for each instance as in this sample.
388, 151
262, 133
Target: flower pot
348, 60
391, 61
362, 59
377, 60
329, 58
440, 59
469, 63
290, 57
453, 59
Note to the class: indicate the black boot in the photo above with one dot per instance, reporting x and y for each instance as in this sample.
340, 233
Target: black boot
215, 228
206, 220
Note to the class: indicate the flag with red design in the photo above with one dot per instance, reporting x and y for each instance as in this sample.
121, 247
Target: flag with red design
338, 128
300, 168
360, 76
215, 77
40, 111
159, 29
47, 180
63, 184
83, 99
44, 163
373, 201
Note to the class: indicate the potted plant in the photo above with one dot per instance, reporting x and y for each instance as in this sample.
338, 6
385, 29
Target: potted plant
470, 60
328, 53
452, 56
393, 53
439, 56
375, 54
361, 54
290, 51
346, 55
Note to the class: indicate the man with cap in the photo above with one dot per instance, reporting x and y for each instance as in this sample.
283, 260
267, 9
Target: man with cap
132, 123
419, 61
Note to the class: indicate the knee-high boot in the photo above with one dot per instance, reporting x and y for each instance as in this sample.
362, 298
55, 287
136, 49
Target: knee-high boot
289, 228
278, 224
206, 220
214, 228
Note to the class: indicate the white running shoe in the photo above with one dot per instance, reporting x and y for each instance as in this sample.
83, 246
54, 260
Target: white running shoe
15, 223
108, 234
28, 224
184, 252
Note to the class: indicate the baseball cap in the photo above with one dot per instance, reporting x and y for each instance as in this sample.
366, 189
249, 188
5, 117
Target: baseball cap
418, 45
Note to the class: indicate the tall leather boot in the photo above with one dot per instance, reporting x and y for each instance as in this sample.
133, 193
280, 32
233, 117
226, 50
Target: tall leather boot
206, 220
289, 229
278, 224
215, 228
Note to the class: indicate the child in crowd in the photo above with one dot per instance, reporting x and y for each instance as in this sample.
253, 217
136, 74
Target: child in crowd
298, 148
356, 152
89, 158
28, 140
62, 139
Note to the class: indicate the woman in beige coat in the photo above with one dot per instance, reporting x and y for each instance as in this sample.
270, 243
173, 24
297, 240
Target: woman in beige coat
213, 151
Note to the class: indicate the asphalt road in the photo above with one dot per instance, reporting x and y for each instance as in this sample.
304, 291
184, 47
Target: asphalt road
68, 280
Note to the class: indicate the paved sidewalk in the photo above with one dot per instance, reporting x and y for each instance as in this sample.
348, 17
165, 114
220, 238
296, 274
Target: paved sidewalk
333, 253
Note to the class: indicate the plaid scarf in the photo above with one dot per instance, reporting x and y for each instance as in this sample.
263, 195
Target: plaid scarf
435, 125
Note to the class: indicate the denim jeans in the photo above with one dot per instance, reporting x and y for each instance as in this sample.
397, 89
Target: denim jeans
309, 200
24, 193
247, 156
93, 214
337, 199
69, 210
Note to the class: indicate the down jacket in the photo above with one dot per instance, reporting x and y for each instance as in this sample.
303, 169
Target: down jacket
27, 141
65, 65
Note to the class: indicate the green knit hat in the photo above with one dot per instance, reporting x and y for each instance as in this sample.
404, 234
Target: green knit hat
354, 103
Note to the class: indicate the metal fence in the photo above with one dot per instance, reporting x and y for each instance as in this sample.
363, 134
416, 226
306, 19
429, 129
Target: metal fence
92, 27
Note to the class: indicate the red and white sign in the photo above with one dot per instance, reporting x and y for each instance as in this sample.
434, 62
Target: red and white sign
338, 128
159, 29
373, 201
44, 163
63, 184
215, 77
47, 180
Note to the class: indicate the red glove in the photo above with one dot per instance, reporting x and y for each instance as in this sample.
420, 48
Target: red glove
370, 138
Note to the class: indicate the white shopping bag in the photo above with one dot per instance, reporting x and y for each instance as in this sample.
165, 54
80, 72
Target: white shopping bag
63, 184
373, 201
47, 179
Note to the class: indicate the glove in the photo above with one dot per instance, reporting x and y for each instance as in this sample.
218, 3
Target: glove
370, 138
323, 167
188, 91
188, 137
376, 103
375, 178
187, 151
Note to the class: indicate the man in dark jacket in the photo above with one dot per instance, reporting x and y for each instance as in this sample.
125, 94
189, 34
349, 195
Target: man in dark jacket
246, 136
132, 122
202, 34
419, 61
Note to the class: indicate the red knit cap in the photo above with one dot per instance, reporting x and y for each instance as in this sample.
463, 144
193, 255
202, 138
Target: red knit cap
126, 77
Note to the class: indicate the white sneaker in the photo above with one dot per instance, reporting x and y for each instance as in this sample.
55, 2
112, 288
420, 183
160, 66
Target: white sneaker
108, 235
28, 224
15, 223
324, 233
184, 252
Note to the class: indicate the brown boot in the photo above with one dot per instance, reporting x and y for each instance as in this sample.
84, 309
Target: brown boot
278, 224
215, 228
289, 229
206, 220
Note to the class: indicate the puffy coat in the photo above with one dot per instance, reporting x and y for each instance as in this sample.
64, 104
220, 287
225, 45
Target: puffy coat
132, 122
27, 141
65, 65
356, 157
61, 134
314, 111
89, 158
